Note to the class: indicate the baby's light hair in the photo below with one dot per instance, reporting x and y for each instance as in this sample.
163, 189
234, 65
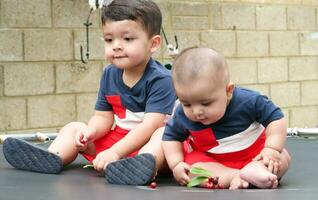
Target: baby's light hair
195, 60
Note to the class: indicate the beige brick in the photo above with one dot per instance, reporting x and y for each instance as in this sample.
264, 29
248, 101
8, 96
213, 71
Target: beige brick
272, 70
28, 79
18, 13
301, 18
73, 13
263, 89
243, 71
190, 23
222, 41
96, 48
11, 45
303, 68
284, 43
185, 40
216, 15
308, 44
12, 113
240, 17
1, 80
286, 116
44, 45
304, 117
51, 111
309, 93
286, 94
251, 44
77, 77
189, 8
270, 17
85, 106
166, 17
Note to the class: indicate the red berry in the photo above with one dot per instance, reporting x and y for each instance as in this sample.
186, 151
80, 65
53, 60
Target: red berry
210, 180
209, 185
215, 180
221, 186
153, 185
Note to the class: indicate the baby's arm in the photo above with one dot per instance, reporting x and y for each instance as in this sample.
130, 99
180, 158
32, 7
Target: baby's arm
274, 144
173, 151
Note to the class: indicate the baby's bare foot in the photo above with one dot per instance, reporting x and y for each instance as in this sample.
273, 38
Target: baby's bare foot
257, 174
238, 183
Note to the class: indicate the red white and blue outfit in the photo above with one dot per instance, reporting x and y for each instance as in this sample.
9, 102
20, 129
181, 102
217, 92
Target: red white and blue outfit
235, 139
153, 93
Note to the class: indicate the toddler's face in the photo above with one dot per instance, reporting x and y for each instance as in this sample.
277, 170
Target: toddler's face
203, 101
127, 45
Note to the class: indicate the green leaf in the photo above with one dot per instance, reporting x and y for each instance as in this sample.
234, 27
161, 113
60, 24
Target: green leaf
196, 181
88, 166
201, 172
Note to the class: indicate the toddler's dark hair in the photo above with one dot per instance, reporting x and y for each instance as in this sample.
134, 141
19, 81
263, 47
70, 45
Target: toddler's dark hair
145, 12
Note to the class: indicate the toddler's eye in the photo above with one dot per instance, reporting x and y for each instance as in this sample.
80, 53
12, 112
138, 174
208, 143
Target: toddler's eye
128, 39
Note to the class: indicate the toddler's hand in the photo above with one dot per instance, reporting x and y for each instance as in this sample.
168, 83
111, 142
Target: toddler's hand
180, 173
84, 136
104, 158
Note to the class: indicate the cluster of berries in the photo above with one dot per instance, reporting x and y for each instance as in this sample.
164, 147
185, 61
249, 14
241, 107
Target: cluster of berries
213, 183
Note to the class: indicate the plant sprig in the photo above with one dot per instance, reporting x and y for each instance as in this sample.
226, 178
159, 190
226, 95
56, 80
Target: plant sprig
203, 175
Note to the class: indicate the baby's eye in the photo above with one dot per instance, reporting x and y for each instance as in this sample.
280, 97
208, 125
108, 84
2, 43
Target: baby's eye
186, 105
206, 104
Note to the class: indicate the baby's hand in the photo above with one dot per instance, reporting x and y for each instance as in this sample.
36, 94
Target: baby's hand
84, 136
271, 158
104, 158
180, 173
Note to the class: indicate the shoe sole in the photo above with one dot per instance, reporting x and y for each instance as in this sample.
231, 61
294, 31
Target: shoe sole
137, 170
25, 156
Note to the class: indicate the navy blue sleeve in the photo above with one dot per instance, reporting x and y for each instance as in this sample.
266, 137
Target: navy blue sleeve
101, 103
267, 111
174, 129
161, 97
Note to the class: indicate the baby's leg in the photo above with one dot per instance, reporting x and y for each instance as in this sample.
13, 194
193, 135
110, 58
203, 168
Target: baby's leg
257, 174
228, 177
285, 162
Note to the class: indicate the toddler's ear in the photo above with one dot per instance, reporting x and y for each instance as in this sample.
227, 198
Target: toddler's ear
155, 43
229, 90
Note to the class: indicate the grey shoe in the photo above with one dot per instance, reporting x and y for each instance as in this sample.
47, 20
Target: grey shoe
137, 170
26, 156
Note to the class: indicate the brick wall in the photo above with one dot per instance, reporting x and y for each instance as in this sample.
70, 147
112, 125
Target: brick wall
43, 85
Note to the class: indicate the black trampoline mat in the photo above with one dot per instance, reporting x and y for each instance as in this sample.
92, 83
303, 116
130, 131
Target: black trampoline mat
74, 182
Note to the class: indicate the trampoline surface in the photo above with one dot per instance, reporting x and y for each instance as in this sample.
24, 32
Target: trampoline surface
74, 182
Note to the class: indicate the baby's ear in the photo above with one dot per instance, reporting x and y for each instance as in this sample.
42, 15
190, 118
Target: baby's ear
229, 90
155, 43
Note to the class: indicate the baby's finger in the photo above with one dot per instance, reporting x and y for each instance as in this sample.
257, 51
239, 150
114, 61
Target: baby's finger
270, 166
258, 157
275, 168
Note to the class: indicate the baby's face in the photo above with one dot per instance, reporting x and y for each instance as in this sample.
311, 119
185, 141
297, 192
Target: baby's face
202, 100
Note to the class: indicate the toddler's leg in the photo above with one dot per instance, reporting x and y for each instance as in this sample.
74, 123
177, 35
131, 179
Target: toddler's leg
140, 169
30, 157
257, 174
